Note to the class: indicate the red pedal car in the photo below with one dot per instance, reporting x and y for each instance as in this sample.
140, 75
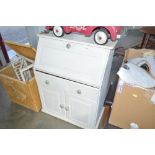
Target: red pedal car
101, 33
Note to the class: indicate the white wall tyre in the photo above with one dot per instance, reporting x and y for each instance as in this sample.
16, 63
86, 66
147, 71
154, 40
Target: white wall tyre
58, 31
101, 37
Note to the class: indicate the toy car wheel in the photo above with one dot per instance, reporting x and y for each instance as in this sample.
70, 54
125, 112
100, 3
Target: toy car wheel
58, 31
101, 37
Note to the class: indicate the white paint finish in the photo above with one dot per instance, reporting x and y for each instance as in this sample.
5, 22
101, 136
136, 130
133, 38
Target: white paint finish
70, 87
105, 85
78, 62
81, 112
51, 94
70, 121
79, 108
54, 101
80, 38
76, 80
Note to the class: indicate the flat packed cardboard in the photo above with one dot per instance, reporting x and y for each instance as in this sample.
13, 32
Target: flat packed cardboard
20, 92
133, 107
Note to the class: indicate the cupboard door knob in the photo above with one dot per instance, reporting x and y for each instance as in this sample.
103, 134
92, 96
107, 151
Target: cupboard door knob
68, 46
47, 82
61, 106
67, 108
79, 91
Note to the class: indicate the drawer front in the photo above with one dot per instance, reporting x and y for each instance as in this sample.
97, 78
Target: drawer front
82, 91
68, 87
47, 81
72, 60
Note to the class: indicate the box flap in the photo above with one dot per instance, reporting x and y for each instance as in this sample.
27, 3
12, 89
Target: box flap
24, 50
134, 53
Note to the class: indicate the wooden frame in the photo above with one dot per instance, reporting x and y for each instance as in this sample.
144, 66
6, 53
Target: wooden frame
22, 66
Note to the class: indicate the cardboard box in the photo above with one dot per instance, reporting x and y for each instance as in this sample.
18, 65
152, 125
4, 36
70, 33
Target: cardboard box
135, 53
133, 107
20, 92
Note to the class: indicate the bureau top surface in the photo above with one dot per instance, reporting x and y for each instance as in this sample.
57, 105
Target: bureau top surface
80, 38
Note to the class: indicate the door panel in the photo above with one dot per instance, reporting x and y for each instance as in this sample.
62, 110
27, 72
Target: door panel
72, 60
54, 102
51, 94
82, 91
81, 111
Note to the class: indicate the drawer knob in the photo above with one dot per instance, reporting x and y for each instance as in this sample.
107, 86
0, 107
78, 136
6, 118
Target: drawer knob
79, 91
47, 82
68, 46
61, 106
67, 108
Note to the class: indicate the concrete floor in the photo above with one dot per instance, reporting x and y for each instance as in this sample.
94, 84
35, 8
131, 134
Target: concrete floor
14, 116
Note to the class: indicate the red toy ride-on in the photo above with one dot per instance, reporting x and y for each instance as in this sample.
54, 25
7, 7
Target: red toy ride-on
101, 33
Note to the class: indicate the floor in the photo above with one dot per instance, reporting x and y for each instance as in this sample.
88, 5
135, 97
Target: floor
14, 116
131, 38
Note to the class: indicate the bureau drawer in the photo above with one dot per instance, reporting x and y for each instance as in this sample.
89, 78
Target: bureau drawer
75, 61
50, 82
67, 87
82, 91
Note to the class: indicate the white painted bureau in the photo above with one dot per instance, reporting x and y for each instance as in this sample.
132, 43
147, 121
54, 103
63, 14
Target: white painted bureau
72, 74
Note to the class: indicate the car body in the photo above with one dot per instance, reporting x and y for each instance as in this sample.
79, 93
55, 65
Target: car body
112, 32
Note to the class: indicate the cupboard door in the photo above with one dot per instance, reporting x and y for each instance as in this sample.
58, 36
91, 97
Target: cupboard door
52, 95
81, 111
53, 102
81, 102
